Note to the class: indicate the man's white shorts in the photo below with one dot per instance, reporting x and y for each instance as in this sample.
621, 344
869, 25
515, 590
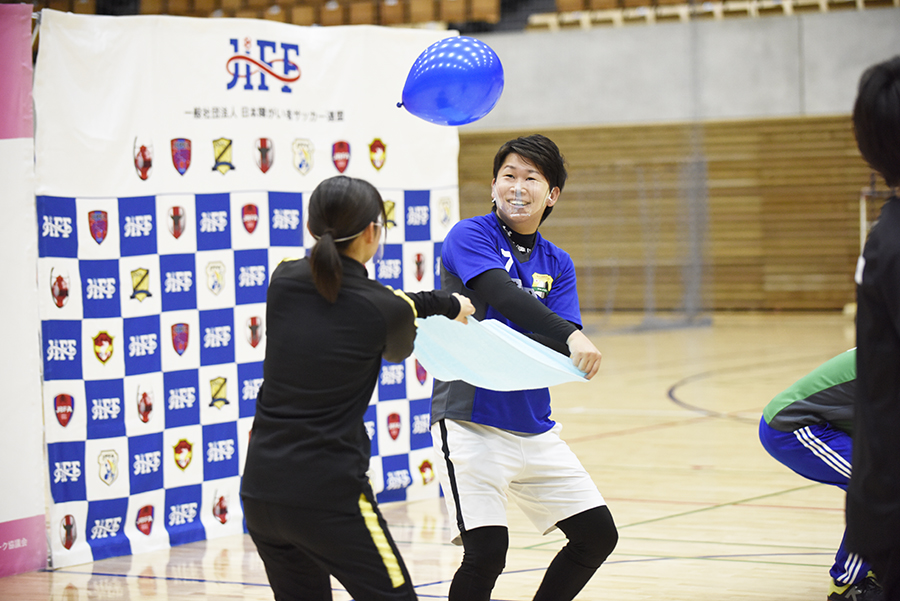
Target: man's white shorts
480, 467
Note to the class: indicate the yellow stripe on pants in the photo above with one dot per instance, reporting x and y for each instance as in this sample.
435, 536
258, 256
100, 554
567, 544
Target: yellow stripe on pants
381, 542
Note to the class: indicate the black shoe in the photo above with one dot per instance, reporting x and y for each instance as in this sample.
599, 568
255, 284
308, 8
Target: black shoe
866, 589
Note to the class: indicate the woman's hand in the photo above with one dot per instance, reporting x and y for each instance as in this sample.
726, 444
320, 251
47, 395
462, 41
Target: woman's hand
584, 354
466, 308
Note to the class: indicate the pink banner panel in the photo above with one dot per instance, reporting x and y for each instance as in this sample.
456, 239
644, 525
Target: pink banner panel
23, 545
15, 71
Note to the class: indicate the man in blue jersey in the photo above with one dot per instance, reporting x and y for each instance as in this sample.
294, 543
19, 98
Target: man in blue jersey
496, 445
808, 428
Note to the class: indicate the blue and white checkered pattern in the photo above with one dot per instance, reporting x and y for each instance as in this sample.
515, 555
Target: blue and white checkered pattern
153, 334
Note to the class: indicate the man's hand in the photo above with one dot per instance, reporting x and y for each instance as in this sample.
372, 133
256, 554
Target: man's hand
584, 354
466, 308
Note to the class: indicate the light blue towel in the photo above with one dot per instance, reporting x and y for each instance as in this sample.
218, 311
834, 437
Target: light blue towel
489, 354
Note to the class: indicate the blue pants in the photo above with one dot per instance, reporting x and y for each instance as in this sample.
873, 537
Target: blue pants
820, 453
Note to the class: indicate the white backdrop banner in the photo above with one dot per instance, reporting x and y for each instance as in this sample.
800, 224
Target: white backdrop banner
174, 160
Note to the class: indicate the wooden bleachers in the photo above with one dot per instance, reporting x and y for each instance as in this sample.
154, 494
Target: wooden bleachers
585, 14
782, 210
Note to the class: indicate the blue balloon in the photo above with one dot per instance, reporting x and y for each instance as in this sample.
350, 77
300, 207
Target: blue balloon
455, 81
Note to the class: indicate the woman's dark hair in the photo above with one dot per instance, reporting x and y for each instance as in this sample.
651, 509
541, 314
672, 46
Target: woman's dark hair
543, 153
876, 119
340, 209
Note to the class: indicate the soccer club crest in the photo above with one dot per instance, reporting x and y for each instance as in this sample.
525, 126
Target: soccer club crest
303, 155
389, 210
377, 153
177, 221
180, 335
222, 153
144, 519
144, 402
541, 284
183, 453
67, 531
393, 424
109, 466
421, 374
215, 276
427, 471
444, 211
219, 391
420, 266
250, 217
99, 225
103, 346
59, 286
181, 154
340, 154
143, 158
220, 508
140, 282
265, 154
64, 406
254, 331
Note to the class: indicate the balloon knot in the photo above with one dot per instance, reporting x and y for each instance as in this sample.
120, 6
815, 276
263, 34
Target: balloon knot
399, 104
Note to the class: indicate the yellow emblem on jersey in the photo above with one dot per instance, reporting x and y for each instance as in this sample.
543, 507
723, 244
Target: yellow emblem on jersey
540, 284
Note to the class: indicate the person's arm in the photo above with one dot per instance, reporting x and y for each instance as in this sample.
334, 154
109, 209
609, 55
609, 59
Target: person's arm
497, 289
434, 302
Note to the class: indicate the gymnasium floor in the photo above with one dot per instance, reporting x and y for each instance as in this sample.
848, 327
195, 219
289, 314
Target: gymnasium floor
668, 430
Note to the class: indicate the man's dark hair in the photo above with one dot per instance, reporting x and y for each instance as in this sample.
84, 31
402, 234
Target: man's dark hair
543, 153
876, 119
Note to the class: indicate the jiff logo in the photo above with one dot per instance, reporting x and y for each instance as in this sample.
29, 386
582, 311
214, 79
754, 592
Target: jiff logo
245, 65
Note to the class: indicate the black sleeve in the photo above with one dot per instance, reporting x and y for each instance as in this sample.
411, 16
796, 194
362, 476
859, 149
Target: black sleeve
497, 289
434, 302
559, 347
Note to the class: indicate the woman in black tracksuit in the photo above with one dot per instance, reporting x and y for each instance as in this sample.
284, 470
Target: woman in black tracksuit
309, 506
